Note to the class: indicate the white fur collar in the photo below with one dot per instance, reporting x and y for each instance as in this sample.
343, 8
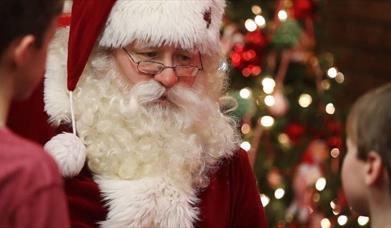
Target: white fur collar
148, 202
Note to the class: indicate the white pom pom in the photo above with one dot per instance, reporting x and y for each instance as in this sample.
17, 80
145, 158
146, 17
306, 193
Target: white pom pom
69, 152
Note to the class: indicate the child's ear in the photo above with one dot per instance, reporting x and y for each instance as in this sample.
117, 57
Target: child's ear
373, 169
22, 49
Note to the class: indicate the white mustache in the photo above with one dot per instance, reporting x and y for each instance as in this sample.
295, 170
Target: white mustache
148, 91
151, 91
193, 104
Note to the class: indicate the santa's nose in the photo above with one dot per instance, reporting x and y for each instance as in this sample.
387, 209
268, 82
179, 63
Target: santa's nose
167, 77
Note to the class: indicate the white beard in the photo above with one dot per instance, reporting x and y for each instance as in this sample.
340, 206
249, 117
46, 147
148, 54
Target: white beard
149, 158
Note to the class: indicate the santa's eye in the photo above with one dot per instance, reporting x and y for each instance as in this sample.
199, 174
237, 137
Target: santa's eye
147, 54
183, 59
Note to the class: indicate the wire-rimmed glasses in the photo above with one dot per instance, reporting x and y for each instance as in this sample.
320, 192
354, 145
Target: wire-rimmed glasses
153, 68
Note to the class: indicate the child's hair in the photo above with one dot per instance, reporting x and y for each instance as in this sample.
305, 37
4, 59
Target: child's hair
23, 17
369, 124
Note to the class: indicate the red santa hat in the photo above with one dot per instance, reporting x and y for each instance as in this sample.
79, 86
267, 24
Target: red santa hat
187, 24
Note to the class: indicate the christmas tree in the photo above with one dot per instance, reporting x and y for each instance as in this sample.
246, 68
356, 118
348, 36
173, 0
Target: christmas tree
286, 88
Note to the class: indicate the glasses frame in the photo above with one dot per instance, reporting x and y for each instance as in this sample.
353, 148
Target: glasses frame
164, 66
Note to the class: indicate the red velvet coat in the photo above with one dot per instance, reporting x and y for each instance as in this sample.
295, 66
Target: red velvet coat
231, 199
29, 120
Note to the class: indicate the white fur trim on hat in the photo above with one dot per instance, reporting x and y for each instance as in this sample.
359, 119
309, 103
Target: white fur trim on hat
56, 95
69, 153
185, 23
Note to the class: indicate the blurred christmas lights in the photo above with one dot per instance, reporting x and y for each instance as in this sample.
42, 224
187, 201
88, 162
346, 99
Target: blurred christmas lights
260, 21
245, 129
250, 25
334, 152
320, 184
330, 109
332, 72
256, 9
284, 139
333, 205
340, 78
362, 220
279, 193
245, 146
268, 85
305, 100
325, 223
342, 220
249, 55
325, 84
245, 93
269, 100
282, 15
265, 200
266, 121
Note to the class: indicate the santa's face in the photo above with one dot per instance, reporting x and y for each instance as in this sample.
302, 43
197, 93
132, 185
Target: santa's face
167, 65
137, 125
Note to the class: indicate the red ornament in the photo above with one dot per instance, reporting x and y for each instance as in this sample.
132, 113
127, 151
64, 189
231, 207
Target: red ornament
303, 9
238, 47
334, 126
249, 55
246, 58
295, 131
256, 70
235, 59
246, 72
334, 142
256, 38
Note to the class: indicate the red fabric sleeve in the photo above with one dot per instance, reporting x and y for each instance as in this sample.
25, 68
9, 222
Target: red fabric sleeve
29, 120
232, 198
45, 208
86, 207
248, 209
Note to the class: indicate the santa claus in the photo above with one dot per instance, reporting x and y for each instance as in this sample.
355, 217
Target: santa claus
150, 146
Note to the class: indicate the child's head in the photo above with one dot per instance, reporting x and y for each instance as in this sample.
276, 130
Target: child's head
367, 165
26, 28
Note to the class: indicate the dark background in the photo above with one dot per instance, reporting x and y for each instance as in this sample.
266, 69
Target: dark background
358, 33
